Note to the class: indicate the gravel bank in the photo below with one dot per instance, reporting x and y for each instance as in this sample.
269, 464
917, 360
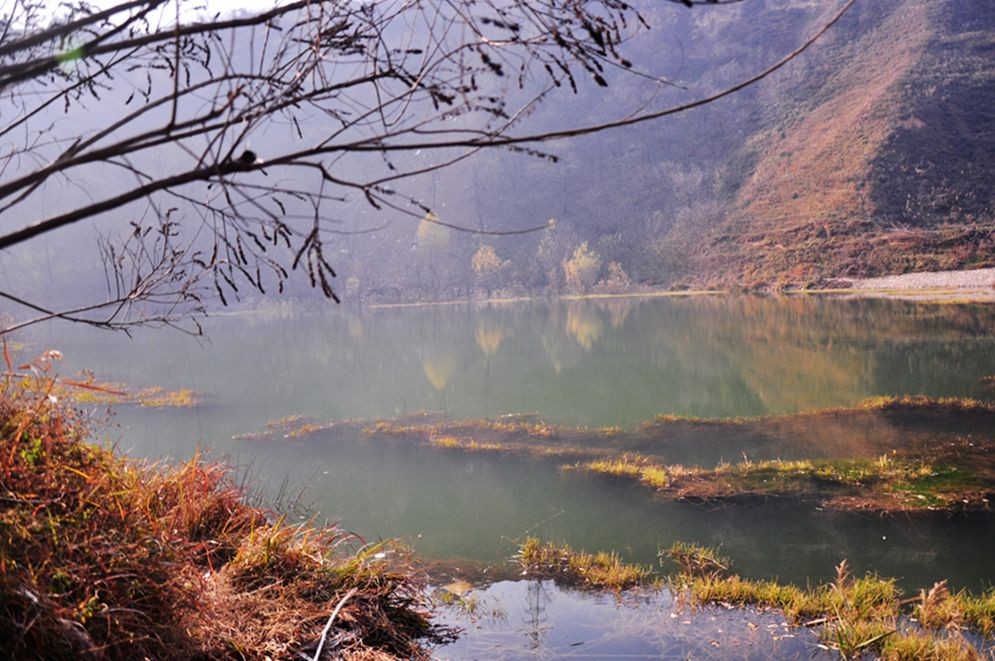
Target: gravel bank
977, 279
976, 285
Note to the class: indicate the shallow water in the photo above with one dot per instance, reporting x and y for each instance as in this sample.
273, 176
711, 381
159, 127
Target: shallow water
536, 619
613, 362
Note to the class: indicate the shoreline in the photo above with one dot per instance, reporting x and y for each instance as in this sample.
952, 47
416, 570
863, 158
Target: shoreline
965, 286
943, 287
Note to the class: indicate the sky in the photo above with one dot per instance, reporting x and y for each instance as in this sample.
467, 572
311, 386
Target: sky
190, 8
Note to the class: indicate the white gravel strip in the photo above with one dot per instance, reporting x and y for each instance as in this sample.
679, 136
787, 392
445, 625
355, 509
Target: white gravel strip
976, 279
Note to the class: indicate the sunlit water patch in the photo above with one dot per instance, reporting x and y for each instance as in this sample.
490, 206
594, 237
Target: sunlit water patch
536, 619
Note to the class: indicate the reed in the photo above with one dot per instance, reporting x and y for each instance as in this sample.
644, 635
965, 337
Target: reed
604, 570
106, 557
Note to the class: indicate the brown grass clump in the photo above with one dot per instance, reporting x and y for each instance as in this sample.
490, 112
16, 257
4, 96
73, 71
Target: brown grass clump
103, 557
856, 616
923, 403
939, 608
603, 570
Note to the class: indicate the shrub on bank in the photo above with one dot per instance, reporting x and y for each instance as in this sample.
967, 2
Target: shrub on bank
105, 557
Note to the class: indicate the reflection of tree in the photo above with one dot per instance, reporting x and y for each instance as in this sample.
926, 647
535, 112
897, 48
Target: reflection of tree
554, 342
537, 621
489, 337
584, 323
618, 310
439, 368
354, 324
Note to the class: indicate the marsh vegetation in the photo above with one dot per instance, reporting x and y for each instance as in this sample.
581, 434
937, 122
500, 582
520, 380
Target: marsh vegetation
853, 615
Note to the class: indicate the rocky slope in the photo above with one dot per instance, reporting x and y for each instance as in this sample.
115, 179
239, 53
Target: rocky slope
883, 162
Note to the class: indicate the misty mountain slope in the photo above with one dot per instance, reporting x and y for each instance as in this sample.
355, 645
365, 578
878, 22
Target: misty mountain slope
871, 153
888, 171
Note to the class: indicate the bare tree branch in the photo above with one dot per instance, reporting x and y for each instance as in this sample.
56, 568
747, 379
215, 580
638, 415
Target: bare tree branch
205, 115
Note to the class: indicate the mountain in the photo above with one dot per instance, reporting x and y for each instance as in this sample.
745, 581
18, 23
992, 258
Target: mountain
882, 162
872, 153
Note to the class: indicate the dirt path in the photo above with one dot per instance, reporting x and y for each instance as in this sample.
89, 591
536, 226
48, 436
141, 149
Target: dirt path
975, 285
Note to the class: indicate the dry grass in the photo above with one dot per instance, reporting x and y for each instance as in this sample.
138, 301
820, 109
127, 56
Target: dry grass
604, 570
857, 616
104, 557
887, 484
939, 608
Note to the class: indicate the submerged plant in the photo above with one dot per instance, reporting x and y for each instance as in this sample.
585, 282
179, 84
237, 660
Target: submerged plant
697, 560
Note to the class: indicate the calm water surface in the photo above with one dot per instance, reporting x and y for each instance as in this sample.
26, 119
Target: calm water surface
614, 362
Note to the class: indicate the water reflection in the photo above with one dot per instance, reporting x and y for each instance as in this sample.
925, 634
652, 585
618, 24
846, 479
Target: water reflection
599, 362
544, 621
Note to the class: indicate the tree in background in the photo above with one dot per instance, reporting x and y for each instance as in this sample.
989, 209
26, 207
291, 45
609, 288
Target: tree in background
488, 267
616, 282
437, 256
581, 270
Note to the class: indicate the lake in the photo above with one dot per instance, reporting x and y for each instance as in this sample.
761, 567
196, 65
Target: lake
616, 362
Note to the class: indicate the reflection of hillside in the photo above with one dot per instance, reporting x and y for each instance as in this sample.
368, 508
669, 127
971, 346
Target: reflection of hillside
795, 354
791, 357
775, 355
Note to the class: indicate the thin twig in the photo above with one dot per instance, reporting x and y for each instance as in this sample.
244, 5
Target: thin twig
331, 618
